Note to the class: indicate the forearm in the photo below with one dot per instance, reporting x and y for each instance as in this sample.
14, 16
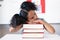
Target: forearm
48, 27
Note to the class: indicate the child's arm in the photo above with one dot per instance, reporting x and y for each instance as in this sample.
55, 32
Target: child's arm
47, 26
11, 29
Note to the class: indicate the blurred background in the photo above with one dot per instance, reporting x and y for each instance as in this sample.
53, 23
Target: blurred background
10, 7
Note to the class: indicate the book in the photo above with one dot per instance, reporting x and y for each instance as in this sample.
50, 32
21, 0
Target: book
33, 35
32, 26
33, 31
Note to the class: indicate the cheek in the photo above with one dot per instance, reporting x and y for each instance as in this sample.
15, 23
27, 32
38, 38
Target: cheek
30, 19
35, 17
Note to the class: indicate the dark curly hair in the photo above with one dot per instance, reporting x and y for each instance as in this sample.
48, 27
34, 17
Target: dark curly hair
17, 20
28, 6
21, 18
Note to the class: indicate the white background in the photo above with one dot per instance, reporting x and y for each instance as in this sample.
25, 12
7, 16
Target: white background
10, 7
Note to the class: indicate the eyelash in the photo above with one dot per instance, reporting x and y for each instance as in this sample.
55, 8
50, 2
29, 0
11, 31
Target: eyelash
32, 17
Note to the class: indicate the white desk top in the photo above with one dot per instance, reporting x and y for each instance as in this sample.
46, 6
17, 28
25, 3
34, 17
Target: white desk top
19, 37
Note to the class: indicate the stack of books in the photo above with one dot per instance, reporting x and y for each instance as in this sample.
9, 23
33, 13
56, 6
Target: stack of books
33, 31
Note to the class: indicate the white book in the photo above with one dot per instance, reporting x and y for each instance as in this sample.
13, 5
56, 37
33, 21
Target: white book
33, 31
33, 35
32, 26
33, 39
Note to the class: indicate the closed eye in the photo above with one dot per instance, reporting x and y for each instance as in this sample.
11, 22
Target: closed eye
32, 17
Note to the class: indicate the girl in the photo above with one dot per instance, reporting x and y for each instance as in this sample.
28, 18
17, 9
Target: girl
27, 15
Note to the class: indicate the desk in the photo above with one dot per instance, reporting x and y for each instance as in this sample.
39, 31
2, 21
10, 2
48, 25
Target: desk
19, 37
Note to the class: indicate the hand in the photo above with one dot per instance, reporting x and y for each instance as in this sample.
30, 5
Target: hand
39, 21
12, 29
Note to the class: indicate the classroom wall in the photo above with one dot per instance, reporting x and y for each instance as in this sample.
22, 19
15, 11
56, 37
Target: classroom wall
0, 12
10, 7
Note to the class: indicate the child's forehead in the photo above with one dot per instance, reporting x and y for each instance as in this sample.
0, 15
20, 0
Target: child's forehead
30, 13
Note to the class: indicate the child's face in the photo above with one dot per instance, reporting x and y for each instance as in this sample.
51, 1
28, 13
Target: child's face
32, 15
